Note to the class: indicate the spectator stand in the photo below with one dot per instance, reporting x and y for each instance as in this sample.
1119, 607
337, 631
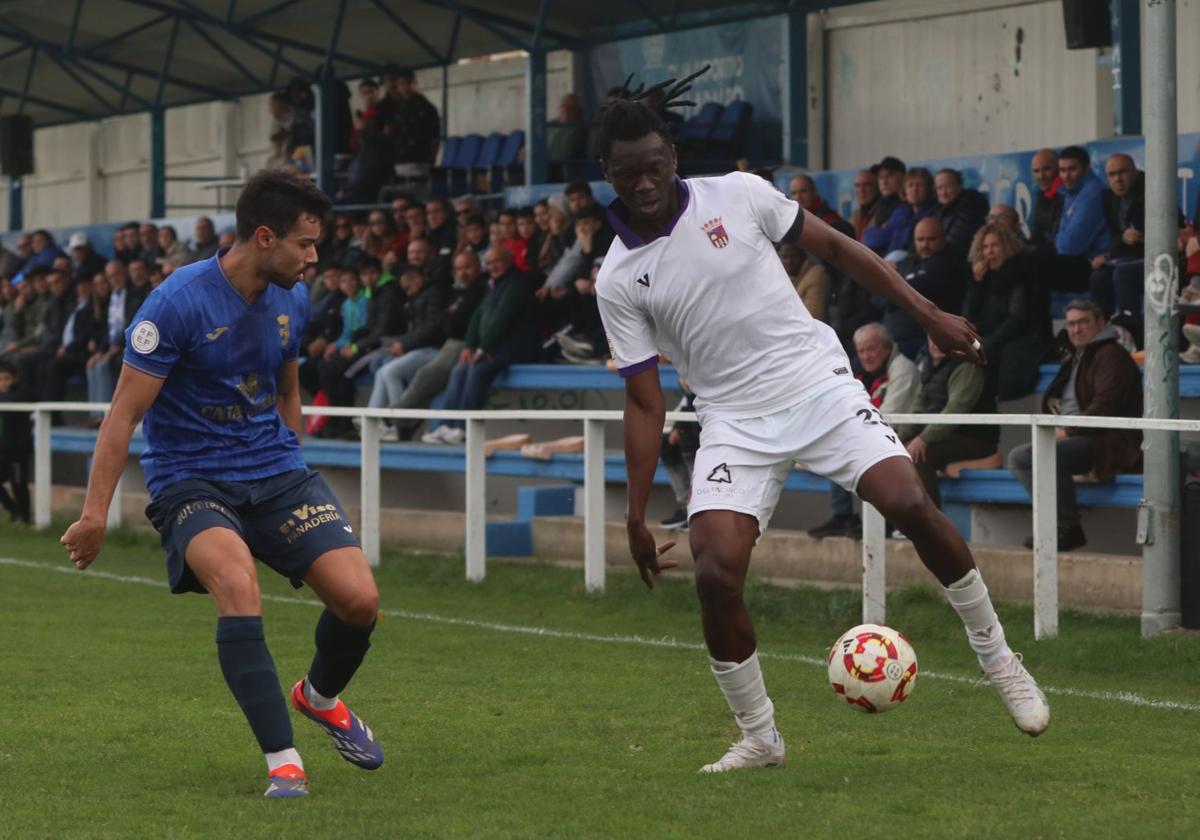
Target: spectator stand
209, 55
1005, 178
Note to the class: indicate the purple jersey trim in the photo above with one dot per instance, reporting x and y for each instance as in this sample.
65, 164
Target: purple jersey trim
635, 369
617, 213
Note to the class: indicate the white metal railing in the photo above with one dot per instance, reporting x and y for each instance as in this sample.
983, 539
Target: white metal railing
1045, 511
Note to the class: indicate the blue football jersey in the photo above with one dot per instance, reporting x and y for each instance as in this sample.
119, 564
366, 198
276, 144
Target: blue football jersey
219, 358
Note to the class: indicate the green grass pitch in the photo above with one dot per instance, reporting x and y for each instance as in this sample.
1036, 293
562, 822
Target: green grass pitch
526, 707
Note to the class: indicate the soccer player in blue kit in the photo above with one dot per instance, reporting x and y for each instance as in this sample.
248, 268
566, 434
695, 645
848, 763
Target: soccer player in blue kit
211, 371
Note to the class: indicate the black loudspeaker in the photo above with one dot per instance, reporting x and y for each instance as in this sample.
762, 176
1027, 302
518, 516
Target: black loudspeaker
16, 145
1088, 24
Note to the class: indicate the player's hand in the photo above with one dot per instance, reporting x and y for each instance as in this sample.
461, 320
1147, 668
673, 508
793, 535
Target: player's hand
918, 449
83, 540
645, 553
956, 336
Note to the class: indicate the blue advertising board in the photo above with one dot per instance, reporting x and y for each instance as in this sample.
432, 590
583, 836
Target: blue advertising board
745, 59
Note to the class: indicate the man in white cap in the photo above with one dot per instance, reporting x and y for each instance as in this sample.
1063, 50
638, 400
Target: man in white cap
85, 262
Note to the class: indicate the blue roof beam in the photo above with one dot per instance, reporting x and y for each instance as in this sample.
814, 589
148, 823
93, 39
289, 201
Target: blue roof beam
649, 13
10, 30
411, 33
225, 54
263, 15
187, 10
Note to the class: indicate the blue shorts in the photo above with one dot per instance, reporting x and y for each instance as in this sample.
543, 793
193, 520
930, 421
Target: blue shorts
287, 521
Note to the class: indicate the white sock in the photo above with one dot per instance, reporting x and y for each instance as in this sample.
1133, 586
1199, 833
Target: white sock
275, 760
318, 701
969, 597
742, 685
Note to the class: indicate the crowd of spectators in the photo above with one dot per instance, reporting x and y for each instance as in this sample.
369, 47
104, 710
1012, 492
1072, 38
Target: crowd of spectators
439, 297
978, 261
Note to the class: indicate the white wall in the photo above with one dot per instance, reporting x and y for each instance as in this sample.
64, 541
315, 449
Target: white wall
99, 171
1187, 60
934, 78
488, 96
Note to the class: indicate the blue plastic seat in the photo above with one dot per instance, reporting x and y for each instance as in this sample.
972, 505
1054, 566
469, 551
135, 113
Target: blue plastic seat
700, 127
450, 149
460, 168
507, 169
730, 130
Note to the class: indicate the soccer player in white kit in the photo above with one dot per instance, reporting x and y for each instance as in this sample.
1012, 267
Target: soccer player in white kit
693, 275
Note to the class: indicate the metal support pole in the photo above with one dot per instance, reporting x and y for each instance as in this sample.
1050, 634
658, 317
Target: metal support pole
476, 538
874, 604
1161, 485
41, 468
535, 118
1126, 68
16, 207
1045, 533
368, 525
326, 132
593, 505
115, 514
158, 163
795, 88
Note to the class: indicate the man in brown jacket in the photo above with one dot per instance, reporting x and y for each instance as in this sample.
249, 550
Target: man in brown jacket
1097, 378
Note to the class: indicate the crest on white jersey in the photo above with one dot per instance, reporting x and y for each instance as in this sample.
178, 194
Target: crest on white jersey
715, 229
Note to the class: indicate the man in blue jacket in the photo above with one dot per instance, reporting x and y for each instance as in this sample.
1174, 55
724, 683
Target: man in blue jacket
1082, 231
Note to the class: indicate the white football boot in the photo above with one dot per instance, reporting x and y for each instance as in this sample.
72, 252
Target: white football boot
751, 751
1020, 693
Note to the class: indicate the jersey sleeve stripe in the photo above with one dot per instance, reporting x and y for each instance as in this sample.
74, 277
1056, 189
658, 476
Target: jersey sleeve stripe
638, 367
157, 374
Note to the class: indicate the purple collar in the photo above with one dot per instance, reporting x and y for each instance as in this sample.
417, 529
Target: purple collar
618, 212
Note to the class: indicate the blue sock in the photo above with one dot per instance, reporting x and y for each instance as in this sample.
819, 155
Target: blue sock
250, 673
340, 650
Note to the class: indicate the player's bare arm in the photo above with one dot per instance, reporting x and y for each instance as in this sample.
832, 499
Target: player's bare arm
135, 393
644, 415
953, 333
288, 385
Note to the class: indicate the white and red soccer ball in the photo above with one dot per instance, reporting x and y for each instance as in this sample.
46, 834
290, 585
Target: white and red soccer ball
872, 667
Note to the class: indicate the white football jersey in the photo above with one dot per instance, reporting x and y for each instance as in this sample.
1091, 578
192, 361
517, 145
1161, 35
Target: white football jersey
711, 294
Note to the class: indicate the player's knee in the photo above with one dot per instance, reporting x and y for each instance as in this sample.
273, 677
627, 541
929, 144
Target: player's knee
359, 609
235, 590
908, 506
715, 582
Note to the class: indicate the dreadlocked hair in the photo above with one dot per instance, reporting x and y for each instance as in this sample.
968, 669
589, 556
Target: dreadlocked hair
639, 111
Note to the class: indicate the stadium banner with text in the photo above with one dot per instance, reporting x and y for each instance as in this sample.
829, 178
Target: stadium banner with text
746, 61
1005, 178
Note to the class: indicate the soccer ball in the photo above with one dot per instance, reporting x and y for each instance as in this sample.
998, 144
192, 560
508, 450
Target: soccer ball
872, 667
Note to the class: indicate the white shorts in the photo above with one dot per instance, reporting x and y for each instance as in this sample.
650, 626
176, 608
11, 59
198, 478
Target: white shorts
742, 464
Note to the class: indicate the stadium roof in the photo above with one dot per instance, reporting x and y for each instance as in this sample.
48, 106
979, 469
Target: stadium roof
74, 60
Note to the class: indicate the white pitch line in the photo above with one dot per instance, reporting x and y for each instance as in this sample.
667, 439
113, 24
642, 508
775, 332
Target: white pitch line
1129, 698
